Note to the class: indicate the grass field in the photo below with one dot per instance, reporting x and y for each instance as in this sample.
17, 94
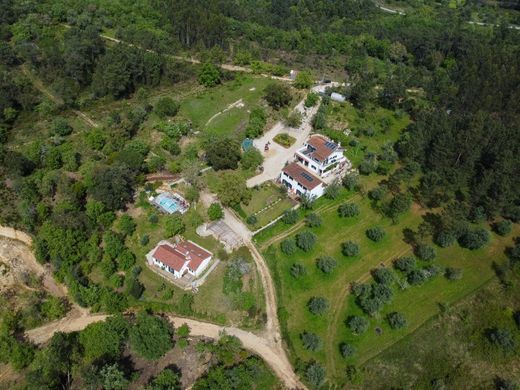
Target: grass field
418, 303
208, 104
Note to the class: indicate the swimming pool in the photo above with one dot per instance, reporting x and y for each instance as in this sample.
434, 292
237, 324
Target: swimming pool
168, 203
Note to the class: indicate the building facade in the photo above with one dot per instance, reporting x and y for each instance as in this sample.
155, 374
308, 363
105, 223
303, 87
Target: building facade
300, 181
321, 156
180, 259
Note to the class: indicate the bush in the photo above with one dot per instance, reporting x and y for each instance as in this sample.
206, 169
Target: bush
502, 338
257, 122
358, 325
127, 225
333, 190
425, 252
174, 225
444, 239
326, 264
215, 212
453, 273
284, 139
383, 275
417, 276
290, 217
351, 182
348, 210
277, 95
306, 240
315, 374
145, 239
298, 270
375, 234
252, 220
405, 264
150, 336
350, 248
318, 305
294, 119
346, 350
288, 246
313, 220
166, 106
311, 99
396, 320
311, 341
209, 75
474, 239
61, 127
503, 228
377, 193
252, 159
303, 80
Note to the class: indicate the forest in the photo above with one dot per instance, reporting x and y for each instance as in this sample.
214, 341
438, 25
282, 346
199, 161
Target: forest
69, 183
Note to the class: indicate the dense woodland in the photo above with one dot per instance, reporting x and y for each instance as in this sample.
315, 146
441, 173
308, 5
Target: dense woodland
459, 83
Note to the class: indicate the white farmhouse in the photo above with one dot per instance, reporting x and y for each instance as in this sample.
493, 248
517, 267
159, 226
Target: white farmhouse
300, 182
184, 257
321, 155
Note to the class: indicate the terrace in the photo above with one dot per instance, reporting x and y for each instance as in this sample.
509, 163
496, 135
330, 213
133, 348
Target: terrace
170, 202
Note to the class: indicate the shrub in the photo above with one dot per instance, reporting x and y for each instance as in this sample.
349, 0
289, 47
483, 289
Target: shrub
298, 270
314, 374
474, 239
252, 220
215, 212
284, 139
375, 234
166, 106
405, 264
502, 338
503, 228
453, 273
288, 246
290, 217
150, 336
396, 320
425, 252
377, 193
294, 119
417, 276
311, 100
348, 210
318, 305
326, 264
145, 239
209, 75
174, 225
358, 325
303, 80
350, 248
252, 159
383, 275
127, 225
277, 95
313, 220
311, 341
333, 190
61, 127
305, 240
351, 182
346, 350
444, 239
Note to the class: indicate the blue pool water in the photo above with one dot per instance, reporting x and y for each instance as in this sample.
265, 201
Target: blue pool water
167, 203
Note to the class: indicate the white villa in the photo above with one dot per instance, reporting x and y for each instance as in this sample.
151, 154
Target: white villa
184, 257
321, 155
300, 181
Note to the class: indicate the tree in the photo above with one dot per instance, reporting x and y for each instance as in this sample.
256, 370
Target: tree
306, 240
351, 182
474, 239
166, 380
417, 276
223, 154
405, 264
358, 325
174, 225
311, 341
333, 190
288, 246
232, 190
453, 273
444, 238
303, 80
252, 220
348, 210
383, 275
307, 201
112, 377
112, 185
503, 338
290, 217
252, 159
127, 225
326, 264
313, 220
277, 95
399, 204
503, 228
396, 320
347, 350
166, 106
209, 75
61, 127
298, 270
350, 248
314, 374
151, 336
215, 212
375, 234
425, 252
318, 305
104, 340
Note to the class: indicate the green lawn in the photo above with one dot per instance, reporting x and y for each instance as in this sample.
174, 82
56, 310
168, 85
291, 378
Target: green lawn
206, 104
267, 196
418, 303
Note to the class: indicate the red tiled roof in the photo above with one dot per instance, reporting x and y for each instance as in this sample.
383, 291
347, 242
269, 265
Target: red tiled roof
322, 151
167, 255
175, 256
302, 176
